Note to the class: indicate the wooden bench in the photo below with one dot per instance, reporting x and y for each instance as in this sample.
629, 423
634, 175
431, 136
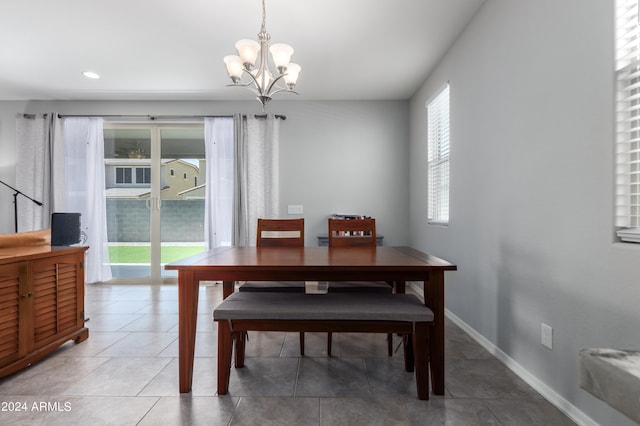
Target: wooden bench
333, 312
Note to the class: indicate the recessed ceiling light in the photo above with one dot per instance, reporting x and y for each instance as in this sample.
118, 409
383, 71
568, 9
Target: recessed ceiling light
91, 74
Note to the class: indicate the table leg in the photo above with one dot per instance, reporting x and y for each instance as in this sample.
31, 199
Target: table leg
187, 318
434, 299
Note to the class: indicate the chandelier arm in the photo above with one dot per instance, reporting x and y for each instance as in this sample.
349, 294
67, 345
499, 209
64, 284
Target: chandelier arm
257, 89
273, 83
248, 86
283, 90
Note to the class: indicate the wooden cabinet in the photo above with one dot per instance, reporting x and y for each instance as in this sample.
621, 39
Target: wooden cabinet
41, 302
9, 313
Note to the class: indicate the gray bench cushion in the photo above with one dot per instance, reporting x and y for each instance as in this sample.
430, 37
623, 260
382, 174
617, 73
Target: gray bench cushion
331, 306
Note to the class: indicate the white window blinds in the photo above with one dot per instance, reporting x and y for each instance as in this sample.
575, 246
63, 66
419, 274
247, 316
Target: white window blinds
438, 157
628, 114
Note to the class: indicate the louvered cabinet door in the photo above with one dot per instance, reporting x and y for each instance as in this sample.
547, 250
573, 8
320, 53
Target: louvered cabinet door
41, 303
10, 321
57, 295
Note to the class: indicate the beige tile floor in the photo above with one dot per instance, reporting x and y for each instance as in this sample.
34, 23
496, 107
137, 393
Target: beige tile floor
126, 373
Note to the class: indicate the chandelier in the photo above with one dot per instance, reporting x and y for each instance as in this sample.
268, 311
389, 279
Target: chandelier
262, 79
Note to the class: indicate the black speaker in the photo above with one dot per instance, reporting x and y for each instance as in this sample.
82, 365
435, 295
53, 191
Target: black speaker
65, 229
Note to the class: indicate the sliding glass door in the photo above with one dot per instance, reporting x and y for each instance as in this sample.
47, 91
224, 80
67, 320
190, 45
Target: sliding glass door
181, 212
155, 197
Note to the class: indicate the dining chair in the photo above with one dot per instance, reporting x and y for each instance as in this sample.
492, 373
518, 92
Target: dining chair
355, 233
278, 233
352, 232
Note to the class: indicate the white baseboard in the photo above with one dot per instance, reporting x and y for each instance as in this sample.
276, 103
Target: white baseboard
549, 394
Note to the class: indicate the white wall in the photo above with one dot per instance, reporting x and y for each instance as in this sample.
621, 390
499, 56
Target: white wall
531, 225
8, 111
348, 157
336, 157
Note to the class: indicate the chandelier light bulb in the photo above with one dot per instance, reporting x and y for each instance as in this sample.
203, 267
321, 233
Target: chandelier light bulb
234, 67
291, 77
281, 54
248, 51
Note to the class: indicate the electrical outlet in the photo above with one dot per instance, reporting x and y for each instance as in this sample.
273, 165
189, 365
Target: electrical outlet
294, 209
546, 335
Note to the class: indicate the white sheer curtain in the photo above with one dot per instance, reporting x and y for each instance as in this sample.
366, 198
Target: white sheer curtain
85, 190
256, 184
39, 159
218, 142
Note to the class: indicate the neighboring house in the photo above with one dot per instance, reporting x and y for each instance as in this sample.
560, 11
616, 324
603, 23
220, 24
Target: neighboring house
131, 178
195, 193
179, 176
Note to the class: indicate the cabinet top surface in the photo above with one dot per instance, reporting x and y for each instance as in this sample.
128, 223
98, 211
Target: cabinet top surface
15, 254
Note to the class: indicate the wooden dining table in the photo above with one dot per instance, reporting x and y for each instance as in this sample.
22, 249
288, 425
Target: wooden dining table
231, 264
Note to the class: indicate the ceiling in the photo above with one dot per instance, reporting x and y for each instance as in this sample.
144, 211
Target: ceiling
173, 50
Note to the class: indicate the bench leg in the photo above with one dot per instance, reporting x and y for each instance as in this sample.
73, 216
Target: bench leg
390, 344
225, 349
241, 343
329, 340
302, 343
421, 349
408, 347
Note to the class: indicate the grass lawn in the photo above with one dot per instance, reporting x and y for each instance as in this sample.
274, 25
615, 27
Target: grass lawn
142, 254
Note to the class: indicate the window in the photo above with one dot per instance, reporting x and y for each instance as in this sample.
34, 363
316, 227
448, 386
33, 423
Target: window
143, 175
172, 172
438, 157
628, 115
184, 175
123, 175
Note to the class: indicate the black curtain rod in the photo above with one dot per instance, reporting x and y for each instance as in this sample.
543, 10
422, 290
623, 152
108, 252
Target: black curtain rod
30, 116
153, 117
150, 117
281, 117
